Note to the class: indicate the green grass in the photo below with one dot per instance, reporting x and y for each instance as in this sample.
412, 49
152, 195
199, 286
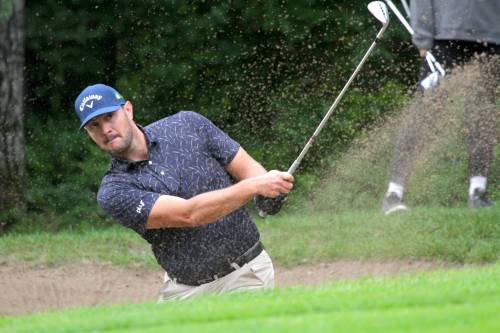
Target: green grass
116, 245
434, 233
448, 301
449, 234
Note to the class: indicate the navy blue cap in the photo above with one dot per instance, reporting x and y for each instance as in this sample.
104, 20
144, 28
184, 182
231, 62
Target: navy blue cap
96, 100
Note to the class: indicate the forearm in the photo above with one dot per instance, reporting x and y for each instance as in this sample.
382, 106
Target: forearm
254, 169
243, 166
208, 207
201, 209
171, 212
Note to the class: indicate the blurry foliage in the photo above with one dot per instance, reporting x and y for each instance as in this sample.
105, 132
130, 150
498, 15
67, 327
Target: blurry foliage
65, 169
265, 71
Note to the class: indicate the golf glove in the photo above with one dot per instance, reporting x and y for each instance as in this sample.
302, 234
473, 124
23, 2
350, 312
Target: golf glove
270, 206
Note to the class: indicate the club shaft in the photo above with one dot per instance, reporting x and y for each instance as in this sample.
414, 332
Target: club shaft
406, 7
400, 16
311, 141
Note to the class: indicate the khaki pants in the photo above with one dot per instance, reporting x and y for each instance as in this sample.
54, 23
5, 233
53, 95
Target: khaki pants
257, 274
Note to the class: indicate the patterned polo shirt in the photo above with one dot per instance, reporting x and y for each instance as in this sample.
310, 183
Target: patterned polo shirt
186, 157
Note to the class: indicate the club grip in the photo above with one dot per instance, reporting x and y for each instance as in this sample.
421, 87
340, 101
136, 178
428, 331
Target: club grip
271, 205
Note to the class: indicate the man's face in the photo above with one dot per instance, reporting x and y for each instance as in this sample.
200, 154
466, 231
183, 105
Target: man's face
112, 131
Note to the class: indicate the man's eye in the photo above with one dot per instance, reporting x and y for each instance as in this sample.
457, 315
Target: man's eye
109, 116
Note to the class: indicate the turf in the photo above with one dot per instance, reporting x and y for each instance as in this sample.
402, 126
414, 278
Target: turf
465, 300
457, 235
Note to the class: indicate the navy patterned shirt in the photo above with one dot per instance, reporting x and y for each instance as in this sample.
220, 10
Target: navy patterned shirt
186, 157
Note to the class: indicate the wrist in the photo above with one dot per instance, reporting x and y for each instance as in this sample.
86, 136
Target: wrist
250, 186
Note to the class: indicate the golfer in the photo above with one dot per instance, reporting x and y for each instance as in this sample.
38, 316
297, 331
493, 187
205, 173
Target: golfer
459, 33
182, 183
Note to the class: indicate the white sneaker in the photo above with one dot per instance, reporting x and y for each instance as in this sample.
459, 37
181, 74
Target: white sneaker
392, 203
479, 199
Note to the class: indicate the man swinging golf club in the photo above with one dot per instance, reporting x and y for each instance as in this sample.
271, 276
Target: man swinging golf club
172, 183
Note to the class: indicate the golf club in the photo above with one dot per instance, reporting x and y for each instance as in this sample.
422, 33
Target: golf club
379, 10
435, 67
406, 7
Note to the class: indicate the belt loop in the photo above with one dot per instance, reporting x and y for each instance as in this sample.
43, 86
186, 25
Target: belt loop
235, 266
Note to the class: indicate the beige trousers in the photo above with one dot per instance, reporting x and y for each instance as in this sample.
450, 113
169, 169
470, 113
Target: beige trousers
257, 274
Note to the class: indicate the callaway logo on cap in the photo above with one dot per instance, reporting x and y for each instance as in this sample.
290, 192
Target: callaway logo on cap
96, 100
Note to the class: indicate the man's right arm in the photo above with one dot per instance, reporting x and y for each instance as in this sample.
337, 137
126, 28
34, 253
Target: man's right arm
170, 211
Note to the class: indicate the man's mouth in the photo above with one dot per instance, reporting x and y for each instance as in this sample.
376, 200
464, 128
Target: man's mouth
111, 138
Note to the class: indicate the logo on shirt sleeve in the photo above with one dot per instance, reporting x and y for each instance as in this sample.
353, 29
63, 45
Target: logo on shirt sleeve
139, 207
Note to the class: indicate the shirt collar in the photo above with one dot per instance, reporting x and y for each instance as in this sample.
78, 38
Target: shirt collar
126, 165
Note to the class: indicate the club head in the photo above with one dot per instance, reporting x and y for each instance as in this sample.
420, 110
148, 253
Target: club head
379, 10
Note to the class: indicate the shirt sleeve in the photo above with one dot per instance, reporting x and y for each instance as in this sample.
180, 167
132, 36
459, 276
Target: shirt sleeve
127, 204
422, 21
220, 145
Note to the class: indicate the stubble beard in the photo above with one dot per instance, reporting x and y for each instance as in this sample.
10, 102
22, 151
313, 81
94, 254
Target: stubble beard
125, 146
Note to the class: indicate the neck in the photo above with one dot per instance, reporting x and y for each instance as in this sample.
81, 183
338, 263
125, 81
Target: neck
138, 150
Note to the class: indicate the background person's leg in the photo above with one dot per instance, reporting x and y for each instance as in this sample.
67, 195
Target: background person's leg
482, 79
417, 130
419, 127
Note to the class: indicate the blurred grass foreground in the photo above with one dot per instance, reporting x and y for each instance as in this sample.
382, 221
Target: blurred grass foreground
447, 301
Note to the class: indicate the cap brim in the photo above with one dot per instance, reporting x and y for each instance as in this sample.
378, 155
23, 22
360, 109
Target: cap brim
99, 112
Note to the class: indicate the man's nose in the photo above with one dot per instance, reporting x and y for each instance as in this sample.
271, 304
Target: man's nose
105, 127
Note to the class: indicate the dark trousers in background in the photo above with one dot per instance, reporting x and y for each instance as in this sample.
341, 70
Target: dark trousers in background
479, 79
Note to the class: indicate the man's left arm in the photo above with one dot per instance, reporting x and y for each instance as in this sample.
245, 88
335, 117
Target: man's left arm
237, 162
243, 166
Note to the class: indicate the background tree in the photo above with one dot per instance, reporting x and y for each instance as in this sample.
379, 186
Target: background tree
11, 110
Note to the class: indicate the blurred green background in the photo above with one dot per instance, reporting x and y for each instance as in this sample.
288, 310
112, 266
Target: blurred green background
266, 72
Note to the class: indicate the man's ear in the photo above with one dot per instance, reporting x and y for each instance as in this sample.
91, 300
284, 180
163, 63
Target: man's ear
129, 110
